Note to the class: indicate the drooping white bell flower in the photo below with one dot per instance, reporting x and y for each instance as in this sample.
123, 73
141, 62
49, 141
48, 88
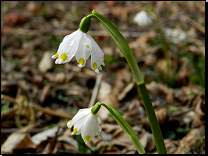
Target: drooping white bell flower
86, 124
82, 45
142, 18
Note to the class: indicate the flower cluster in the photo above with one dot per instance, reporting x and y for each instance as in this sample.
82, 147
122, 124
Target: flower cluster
81, 45
142, 18
86, 124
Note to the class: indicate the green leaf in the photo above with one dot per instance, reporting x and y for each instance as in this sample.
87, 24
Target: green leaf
5, 107
81, 144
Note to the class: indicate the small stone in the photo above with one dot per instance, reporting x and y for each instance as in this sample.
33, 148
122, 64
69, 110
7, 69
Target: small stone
46, 63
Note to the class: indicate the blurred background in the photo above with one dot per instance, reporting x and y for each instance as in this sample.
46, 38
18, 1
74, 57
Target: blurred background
38, 97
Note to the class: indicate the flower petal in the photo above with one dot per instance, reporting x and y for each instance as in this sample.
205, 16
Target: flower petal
69, 124
84, 50
97, 56
82, 113
68, 47
91, 128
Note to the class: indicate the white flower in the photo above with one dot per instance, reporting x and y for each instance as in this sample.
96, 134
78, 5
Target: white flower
82, 45
86, 124
175, 35
142, 18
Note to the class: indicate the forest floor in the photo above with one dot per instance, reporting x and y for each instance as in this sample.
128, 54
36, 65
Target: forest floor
38, 97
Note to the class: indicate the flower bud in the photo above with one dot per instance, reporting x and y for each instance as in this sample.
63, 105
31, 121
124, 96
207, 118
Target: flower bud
85, 24
95, 108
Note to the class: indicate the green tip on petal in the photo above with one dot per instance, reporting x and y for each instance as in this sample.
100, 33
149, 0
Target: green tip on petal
81, 62
101, 136
69, 123
56, 55
63, 57
75, 131
94, 66
87, 139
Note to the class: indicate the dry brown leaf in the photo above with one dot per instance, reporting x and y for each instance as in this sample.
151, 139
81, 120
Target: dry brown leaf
107, 95
170, 98
162, 115
136, 111
139, 42
104, 10
68, 140
18, 140
199, 115
120, 11
42, 136
108, 51
171, 145
128, 88
60, 77
33, 7
23, 84
147, 141
156, 89
122, 139
51, 147
111, 3
190, 140
5, 65
124, 74
45, 92
150, 59
118, 136
14, 19
183, 74
188, 117
162, 64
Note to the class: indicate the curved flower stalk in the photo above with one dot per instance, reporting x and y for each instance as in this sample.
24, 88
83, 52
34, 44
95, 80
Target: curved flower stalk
126, 51
86, 124
142, 18
81, 45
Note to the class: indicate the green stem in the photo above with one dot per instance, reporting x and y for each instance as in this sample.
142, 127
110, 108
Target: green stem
198, 73
119, 40
126, 128
126, 51
155, 127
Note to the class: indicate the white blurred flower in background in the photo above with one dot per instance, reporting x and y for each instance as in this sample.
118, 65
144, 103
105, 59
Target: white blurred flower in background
175, 35
142, 19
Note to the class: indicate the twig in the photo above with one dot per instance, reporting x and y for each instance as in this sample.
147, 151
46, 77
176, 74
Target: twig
20, 31
37, 107
12, 130
95, 90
